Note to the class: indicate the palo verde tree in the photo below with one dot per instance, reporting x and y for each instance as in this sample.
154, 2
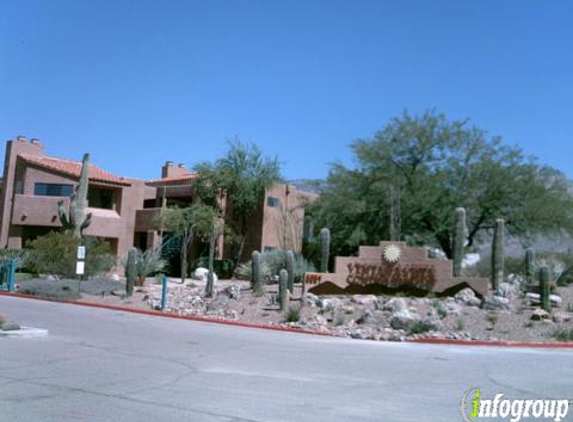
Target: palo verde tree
181, 222
439, 165
239, 179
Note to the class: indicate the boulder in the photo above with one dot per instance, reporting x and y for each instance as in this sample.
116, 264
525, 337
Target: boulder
396, 304
535, 299
560, 317
233, 291
403, 320
310, 299
509, 291
330, 304
467, 297
201, 273
496, 303
540, 315
220, 302
10, 326
365, 300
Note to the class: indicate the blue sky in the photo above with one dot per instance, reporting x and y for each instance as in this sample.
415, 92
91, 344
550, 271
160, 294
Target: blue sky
137, 83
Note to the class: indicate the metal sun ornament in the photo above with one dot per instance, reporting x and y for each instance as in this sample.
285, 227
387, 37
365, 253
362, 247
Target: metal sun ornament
392, 254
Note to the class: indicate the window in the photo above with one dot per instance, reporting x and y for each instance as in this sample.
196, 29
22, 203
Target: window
52, 189
273, 202
99, 197
270, 248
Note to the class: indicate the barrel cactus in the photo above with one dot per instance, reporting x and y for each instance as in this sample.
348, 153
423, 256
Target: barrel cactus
459, 241
498, 255
324, 249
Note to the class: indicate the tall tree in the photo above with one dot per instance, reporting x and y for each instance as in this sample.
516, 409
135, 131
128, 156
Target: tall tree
439, 165
239, 179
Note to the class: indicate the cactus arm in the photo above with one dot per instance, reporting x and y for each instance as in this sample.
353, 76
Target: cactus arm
63, 215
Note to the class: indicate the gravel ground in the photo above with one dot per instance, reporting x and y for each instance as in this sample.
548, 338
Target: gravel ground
358, 316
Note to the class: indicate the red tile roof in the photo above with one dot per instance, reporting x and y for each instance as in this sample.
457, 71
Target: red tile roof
173, 179
73, 168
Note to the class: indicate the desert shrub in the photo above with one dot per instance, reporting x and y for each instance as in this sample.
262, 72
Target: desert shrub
148, 263
420, 327
222, 267
272, 262
55, 253
292, 314
460, 324
51, 289
563, 334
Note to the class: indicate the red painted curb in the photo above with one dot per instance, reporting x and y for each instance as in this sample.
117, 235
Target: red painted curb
172, 315
518, 344
515, 344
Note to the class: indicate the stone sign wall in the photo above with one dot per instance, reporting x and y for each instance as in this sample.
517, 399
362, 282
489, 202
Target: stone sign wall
391, 266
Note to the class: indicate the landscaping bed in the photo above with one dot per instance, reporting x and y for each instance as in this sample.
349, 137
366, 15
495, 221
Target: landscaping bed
509, 316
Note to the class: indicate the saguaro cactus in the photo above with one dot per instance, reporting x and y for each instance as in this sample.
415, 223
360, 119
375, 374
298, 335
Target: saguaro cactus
459, 241
283, 291
544, 289
256, 282
394, 213
497, 255
324, 249
130, 271
76, 218
290, 263
530, 266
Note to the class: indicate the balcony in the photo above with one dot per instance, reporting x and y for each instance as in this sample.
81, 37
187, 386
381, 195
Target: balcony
145, 219
30, 210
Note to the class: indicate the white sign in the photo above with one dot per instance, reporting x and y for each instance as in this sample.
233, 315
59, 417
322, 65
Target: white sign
80, 267
81, 252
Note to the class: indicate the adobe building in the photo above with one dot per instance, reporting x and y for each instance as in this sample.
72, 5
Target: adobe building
124, 209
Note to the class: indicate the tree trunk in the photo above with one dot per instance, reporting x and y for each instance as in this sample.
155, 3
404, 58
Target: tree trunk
241, 244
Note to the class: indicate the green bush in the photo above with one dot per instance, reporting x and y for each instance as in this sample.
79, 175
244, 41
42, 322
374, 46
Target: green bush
148, 263
222, 267
563, 334
292, 314
272, 262
56, 252
420, 327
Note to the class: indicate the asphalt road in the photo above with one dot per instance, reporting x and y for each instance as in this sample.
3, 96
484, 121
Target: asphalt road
109, 366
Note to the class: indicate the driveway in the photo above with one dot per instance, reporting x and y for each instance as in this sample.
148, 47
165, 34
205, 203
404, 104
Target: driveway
110, 366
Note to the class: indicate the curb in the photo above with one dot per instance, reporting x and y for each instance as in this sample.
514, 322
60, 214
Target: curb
174, 316
482, 343
475, 343
24, 332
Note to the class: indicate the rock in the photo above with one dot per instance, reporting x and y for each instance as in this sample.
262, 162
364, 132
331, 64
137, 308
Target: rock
496, 303
115, 277
10, 326
330, 304
508, 290
319, 320
539, 315
403, 320
233, 291
310, 299
348, 310
516, 280
220, 303
559, 317
434, 323
535, 299
467, 297
396, 304
365, 317
201, 274
365, 300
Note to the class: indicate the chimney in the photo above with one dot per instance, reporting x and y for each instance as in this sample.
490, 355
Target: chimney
21, 138
181, 165
166, 169
35, 141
